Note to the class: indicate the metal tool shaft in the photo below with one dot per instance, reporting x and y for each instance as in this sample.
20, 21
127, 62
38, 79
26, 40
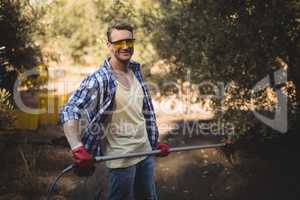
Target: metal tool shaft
131, 155
155, 152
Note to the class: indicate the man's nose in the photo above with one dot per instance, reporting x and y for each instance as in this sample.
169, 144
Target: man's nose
125, 46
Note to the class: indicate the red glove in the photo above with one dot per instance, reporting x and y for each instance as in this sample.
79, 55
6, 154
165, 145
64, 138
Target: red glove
164, 149
82, 158
228, 142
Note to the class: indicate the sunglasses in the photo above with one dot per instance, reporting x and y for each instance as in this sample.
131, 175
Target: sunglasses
121, 43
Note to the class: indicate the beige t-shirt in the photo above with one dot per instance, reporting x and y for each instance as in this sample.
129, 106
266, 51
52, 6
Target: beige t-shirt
125, 128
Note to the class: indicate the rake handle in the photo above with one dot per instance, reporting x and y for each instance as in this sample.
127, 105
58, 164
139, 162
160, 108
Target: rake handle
155, 152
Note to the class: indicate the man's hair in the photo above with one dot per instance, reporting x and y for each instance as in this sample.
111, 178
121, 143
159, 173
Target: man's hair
119, 25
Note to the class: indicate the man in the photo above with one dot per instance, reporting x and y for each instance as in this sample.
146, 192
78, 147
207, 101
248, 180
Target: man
121, 120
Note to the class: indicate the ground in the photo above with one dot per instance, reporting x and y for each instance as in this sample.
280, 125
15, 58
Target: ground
253, 170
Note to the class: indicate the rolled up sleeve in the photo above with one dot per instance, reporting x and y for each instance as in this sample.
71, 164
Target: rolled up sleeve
81, 99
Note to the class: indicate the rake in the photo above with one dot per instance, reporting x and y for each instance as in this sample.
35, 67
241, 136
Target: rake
131, 155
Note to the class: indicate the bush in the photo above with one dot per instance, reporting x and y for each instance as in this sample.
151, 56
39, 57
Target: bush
6, 115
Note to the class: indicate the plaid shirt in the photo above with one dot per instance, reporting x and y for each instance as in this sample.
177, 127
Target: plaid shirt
95, 98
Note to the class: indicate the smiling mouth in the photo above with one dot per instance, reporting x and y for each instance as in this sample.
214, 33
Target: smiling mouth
124, 52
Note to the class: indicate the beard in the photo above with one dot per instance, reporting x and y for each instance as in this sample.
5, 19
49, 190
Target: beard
124, 55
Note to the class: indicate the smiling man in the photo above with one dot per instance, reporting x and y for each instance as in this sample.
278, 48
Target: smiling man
121, 120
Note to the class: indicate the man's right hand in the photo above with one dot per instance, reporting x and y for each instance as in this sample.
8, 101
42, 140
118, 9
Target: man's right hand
83, 159
84, 162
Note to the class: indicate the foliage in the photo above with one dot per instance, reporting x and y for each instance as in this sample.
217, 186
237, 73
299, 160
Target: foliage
6, 116
78, 33
18, 52
73, 33
229, 41
222, 39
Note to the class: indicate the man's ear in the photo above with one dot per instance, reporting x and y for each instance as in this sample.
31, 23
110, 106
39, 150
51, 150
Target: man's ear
108, 44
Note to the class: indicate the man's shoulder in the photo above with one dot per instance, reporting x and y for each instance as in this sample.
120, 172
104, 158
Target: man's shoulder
101, 74
134, 62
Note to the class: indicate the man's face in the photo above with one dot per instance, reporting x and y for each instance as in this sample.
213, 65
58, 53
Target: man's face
121, 45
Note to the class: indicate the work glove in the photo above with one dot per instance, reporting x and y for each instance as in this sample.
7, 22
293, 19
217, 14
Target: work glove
84, 162
228, 141
164, 149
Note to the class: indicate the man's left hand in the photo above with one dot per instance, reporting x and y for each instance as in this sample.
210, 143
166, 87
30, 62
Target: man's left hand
164, 149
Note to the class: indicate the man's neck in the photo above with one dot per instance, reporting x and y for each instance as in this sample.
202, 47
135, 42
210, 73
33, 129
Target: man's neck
118, 65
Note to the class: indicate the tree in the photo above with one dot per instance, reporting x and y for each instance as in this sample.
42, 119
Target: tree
229, 41
17, 49
78, 33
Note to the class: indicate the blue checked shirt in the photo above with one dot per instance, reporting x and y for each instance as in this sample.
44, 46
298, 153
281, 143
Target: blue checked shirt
95, 98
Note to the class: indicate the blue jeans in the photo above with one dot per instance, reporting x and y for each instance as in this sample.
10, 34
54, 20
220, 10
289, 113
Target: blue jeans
133, 183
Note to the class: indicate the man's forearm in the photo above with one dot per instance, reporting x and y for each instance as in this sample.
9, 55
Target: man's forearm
71, 130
